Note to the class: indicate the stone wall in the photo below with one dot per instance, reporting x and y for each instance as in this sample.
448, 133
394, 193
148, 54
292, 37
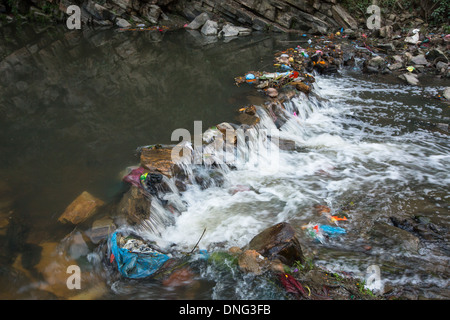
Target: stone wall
310, 16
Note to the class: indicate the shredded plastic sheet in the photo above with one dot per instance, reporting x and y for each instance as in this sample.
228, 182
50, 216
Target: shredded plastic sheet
136, 262
133, 177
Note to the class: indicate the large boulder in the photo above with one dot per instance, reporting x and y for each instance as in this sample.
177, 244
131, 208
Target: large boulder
134, 206
344, 18
210, 28
158, 159
151, 12
198, 22
278, 242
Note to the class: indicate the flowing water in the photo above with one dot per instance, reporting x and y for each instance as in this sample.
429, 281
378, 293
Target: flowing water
76, 106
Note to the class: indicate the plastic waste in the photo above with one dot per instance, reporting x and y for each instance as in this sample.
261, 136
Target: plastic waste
320, 231
336, 219
250, 77
274, 75
135, 259
134, 177
414, 38
332, 231
410, 68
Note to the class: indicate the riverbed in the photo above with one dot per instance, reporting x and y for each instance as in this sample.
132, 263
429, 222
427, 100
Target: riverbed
75, 106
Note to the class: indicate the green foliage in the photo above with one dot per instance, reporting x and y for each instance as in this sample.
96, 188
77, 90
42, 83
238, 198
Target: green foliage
441, 13
432, 11
303, 267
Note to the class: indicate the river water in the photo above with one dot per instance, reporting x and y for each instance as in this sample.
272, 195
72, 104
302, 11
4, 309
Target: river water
75, 106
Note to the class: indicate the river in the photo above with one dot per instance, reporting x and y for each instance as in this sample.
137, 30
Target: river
75, 106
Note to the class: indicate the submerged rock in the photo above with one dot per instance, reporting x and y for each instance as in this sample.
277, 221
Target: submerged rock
81, 209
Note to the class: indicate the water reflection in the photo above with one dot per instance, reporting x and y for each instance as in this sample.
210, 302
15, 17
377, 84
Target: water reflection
75, 105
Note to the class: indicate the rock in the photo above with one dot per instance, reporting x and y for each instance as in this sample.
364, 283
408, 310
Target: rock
441, 66
244, 31
251, 261
446, 93
229, 30
376, 61
300, 86
395, 66
158, 159
198, 22
124, 4
98, 11
122, 23
386, 46
228, 132
419, 59
272, 92
180, 277
134, 206
81, 209
210, 28
343, 17
278, 242
386, 32
101, 229
76, 247
410, 78
53, 268
151, 12
397, 58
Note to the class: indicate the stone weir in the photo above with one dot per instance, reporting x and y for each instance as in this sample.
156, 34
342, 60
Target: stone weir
275, 253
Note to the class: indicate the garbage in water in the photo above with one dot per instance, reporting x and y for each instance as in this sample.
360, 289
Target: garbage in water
134, 257
321, 231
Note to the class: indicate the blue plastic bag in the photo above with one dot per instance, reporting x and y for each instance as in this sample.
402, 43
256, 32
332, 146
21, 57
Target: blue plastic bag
332, 231
136, 265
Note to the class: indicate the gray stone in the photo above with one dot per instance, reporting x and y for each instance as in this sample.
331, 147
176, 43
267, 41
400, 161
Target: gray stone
410, 78
198, 22
441, 65
376, 61
210, 28
446, 93
343, 17
395, 66
419, 59
386, 32
229, 30
151, 12
99, 12
122, 23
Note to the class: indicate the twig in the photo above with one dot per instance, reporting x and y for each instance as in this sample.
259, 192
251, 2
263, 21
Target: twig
198, 241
